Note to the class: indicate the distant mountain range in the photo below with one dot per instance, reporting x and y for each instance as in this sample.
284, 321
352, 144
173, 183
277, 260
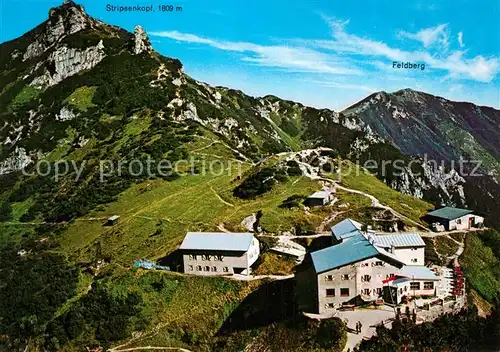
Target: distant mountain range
69, 86
422, 124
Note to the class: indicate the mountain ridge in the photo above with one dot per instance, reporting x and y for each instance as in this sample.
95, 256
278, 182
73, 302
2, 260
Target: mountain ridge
126, 102
84, 56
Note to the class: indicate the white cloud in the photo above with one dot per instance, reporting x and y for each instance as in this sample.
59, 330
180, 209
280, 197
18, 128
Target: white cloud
350, 54
299, 59
454, 63
433, 36
461, 39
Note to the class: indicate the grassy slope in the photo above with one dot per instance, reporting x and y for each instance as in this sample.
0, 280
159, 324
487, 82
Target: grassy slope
156, 214
481, 267
185, 311
446, 246
409, 206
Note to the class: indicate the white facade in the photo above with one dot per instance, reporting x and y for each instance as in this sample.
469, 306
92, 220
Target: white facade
422, 287
407, 247
465, 222
213, 262
411, 256
363, 279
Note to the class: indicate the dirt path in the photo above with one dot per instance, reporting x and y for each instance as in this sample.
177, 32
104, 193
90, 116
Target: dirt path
220, 198
240, 277
327, 220
458, 253
150, 348
447, 233
222, 228
375, 202
323, 234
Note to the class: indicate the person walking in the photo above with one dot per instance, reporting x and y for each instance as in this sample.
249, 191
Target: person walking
360, 326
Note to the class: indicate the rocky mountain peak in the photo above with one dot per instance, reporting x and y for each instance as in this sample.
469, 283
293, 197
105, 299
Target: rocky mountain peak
142, 43
64, 20
69, 10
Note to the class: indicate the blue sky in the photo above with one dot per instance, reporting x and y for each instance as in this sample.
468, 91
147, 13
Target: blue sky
321, 53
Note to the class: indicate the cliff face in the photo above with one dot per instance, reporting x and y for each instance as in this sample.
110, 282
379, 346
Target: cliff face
67, 62
63, 21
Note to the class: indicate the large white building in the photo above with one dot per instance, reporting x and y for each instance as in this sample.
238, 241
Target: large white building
219, 253
363, 267
408, 247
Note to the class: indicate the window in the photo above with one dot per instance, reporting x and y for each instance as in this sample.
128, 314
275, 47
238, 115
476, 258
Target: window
218, 258
205, 257
330, 305
459, 221
366, 291
428, 285
198, 267
414, 285
190, 267
366, 278
379, 291
344, 292
414, 248
414, 260
214, 268
225, 269
364, 265
192, 257
345, 277
330, 292
328, 277
378, 263
207, 268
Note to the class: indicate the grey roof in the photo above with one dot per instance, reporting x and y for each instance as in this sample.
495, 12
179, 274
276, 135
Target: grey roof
352, 250
346, 228
449, 213
401, 240
419, 272
321, 194
218, 241
114, 217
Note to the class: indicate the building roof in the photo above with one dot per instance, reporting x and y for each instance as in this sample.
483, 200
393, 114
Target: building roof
217, 241
401, 240
321, 194
449, 213
353, 249
114, 217
419, 272
400, 281
346, 228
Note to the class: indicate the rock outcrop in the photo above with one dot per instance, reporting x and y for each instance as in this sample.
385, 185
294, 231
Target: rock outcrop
17, 160
65, 114
69, 61
141, 40
63, 21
